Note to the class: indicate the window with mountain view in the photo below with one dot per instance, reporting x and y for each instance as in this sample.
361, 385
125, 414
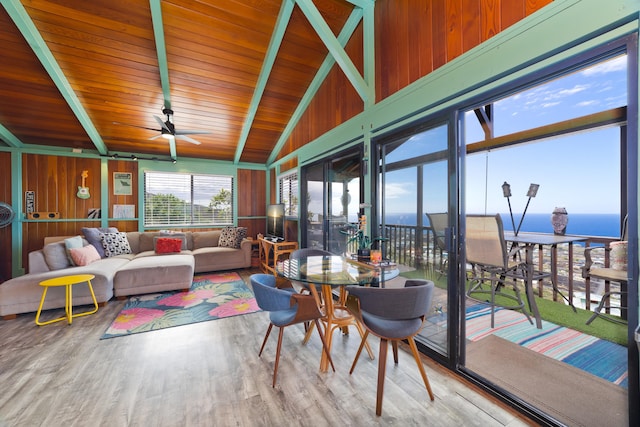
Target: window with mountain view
176, 199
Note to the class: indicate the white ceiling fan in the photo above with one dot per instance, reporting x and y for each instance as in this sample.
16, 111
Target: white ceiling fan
168, 130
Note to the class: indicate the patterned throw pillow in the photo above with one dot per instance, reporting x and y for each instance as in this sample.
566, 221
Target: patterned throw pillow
168, 245
231, 237
115, 244
93, 236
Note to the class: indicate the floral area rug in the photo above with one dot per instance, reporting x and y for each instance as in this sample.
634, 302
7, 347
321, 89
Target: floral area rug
212, 296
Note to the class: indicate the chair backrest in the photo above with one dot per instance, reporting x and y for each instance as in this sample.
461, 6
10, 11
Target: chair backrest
411, 302
484, 240
268, 296
439, 222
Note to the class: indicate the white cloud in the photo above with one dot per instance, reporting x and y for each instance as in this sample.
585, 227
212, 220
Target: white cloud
549, 104
398, 190
587, 103
616, 64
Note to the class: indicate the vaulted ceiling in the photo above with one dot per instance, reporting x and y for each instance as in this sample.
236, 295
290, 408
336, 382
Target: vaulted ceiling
95, 75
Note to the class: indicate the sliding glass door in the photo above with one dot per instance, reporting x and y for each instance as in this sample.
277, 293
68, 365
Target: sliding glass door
331, 189
415, 218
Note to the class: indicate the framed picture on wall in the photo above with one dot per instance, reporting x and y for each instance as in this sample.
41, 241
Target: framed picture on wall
122, 184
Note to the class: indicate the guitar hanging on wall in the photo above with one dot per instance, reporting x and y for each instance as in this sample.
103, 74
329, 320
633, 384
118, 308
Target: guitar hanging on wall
83, 191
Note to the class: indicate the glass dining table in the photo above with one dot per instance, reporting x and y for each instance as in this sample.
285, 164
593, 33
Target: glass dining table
326, 278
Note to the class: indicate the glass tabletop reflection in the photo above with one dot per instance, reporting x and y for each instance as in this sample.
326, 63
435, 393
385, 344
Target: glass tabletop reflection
332, 270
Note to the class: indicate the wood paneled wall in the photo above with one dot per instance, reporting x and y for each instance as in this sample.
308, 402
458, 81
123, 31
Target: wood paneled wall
413, 38
56, 181
132, 199
252, 200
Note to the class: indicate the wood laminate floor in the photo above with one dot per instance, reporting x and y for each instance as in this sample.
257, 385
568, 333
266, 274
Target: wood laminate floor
209, 374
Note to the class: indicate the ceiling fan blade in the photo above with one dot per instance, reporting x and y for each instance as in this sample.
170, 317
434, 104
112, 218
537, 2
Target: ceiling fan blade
192, 132
186, 138
162, 124
155, 137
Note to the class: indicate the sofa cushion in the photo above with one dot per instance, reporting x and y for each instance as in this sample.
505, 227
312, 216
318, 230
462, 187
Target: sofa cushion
146, 241
73, 243
205, 239
231, 237
55, 255
84, 255
93, 234
115, 244
168, 245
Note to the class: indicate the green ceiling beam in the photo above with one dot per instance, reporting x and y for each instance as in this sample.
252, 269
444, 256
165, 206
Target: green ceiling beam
26, 26
344, 36
335, 48
9, 138
272, 52
163, 66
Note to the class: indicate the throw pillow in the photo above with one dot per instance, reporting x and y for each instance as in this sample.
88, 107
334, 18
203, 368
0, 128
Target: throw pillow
176, 235
168, 245
115, 244
55, 255
231, 237
93, 236
84, 255
72, 243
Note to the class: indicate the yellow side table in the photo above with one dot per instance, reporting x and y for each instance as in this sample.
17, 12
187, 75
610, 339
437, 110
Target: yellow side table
67, 282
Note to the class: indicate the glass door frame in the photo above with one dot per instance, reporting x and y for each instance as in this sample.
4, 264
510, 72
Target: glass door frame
325, 163
454, 294
629, 202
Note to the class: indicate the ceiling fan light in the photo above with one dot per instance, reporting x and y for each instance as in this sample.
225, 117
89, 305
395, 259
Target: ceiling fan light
166, 135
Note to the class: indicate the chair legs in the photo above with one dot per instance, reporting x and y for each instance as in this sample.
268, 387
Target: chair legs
598, 310
278, 348
382, 366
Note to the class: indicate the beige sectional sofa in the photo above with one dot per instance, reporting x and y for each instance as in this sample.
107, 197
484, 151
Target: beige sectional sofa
138, 272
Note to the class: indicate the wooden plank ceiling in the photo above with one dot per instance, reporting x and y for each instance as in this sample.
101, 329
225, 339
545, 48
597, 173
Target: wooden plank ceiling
93, 74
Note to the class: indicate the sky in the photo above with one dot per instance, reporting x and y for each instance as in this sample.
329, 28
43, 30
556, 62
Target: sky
580, 172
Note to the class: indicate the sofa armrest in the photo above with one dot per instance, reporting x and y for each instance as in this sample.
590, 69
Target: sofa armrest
37, 263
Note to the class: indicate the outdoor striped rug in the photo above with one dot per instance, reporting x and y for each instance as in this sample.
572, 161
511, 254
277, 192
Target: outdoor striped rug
599, 357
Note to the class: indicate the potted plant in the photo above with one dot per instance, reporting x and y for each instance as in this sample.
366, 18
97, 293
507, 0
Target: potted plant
363, 242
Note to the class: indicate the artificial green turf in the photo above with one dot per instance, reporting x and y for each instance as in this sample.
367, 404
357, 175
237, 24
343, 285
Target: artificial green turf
552, 311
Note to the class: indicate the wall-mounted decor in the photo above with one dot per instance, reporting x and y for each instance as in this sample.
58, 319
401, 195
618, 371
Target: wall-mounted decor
124, 211
94, 213
83, 190
29, 201
122, 184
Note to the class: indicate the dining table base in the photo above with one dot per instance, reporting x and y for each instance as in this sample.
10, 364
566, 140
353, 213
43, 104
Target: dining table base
336, 316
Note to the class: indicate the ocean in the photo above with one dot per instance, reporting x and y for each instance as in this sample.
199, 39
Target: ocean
607, 225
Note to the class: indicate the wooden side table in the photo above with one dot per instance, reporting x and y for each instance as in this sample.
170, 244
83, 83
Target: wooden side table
67, 282
271, 252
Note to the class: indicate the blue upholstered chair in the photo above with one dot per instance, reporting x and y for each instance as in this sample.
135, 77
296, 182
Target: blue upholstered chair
285, 307
393, 314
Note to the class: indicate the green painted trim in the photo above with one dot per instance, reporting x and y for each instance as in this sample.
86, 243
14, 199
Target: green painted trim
369, 37
17, 269
344, 36
286, 9
335, 48
163, 66
10, 138
104, 192
26, 26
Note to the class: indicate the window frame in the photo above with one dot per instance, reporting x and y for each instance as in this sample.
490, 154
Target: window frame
291, 209
197, 186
